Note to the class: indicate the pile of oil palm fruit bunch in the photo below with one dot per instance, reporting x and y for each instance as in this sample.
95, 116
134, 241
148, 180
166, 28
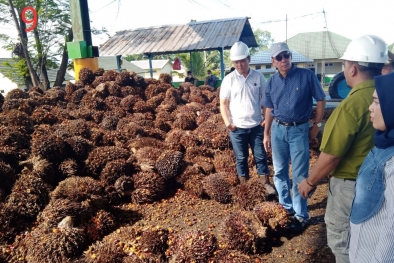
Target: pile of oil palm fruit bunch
74, 159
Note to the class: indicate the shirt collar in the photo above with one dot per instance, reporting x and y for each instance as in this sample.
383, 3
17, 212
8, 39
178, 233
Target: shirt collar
363, 85
291, 71
236, 72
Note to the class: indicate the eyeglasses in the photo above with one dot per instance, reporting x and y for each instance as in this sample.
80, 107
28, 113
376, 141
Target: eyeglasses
285, 55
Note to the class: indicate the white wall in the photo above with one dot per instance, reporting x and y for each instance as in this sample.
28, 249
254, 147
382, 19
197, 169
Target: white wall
6, 85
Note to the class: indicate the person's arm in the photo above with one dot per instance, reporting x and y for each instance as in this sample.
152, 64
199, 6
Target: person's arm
267, 129
320, 106
225, 112
263, 109
263, 84
384, 251
324, 166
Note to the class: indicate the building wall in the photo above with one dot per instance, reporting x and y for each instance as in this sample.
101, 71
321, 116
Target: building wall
262, 66
334, 66
156, 72
6, 85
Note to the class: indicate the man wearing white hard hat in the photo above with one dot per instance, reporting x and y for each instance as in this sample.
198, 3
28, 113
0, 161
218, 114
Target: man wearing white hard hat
289, 100
241, 93
347, 139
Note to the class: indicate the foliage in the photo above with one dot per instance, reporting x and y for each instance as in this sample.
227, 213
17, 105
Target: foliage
46, 43
263, 39
134, 57
194, 63
16, 70
391, 47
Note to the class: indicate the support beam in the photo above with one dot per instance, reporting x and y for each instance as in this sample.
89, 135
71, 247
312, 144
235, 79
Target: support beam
119, 63
191, 63
80, 21
150, 55
221, 63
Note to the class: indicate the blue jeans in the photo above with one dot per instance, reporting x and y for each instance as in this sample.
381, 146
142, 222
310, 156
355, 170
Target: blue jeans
291, 143
241, 139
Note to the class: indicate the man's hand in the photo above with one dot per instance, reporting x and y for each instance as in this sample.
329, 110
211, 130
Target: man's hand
267, 143
304, 188
232, 127
313, 131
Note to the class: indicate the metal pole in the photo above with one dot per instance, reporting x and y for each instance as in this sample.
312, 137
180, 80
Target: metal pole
33, 75
118, 63
150, 64
221, 63
286, 28
191, 63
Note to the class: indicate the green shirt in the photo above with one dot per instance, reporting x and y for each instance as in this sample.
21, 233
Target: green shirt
348, 132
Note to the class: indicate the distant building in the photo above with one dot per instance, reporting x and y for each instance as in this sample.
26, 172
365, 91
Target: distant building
262, 62
322, 47
110, 63
161, 66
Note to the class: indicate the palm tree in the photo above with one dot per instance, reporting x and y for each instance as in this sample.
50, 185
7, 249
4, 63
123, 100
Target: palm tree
195, 63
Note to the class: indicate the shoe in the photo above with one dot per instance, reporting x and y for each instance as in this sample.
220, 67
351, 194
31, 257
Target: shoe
298, 225
268, 187
242, 179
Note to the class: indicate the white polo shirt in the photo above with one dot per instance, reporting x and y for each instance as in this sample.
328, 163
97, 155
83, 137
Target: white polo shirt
245, 96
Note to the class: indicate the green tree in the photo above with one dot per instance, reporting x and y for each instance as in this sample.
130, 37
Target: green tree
263, 39
134, 57
46, 44
391, 47
195, 63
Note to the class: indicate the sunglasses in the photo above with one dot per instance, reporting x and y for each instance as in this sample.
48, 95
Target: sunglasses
285, 55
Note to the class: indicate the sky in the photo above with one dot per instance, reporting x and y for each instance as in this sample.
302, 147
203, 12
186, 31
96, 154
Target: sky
349, 18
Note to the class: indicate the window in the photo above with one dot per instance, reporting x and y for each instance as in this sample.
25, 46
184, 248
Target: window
258, 66
2, 91
268, 66
328, 64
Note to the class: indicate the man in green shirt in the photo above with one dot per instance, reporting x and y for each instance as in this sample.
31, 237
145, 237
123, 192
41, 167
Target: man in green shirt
347, 139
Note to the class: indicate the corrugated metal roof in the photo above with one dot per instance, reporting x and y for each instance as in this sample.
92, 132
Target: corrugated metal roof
311, 44
194, 36
264, 57
52, 75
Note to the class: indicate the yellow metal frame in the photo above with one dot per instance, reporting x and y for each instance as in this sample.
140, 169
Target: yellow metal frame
80, 63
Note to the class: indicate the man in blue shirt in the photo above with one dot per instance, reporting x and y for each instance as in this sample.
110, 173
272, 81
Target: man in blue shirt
210, 79
288, 100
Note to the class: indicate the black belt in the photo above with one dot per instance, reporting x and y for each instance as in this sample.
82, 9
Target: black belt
289, 123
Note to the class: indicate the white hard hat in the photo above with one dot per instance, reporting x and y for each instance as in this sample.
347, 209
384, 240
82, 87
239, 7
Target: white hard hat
239, 51
366, 49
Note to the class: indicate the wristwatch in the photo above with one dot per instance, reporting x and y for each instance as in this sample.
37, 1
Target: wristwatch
318, 124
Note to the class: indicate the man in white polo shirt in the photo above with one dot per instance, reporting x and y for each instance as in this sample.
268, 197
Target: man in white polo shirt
241, 93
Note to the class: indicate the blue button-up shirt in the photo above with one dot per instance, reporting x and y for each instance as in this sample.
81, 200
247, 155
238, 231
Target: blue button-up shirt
291, 98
